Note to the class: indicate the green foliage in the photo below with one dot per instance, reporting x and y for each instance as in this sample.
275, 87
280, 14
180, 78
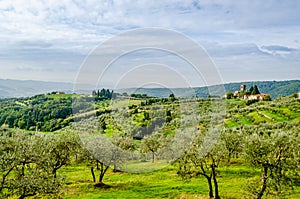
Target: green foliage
203, 159
233, 140
103, 154
242, 112
229, 95
172, 97
267, 98
36, 113
255, 90
29, 163
251, 89
138, 95
103, 94
295, 95
249, 102
277, 155
153, 143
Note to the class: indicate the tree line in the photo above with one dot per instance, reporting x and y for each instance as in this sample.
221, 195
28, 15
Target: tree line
103, 94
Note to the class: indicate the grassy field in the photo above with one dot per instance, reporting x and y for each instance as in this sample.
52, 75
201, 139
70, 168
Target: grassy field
164, 183
281, 110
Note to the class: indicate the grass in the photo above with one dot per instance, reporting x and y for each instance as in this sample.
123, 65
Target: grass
276, 117
244, 120
286, 110
230, 123
258, 117
293, 115
123, 185
164, 183
160, 184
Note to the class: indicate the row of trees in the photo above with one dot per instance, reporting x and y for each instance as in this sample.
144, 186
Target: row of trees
103, 94
29, 164
274, 151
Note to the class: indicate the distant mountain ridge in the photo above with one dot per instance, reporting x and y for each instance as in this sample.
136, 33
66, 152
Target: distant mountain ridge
274, 88
24, 88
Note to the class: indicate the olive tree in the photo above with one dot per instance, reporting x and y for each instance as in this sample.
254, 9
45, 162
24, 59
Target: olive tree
233, 140
59, 150
23, 169
102, 153
277, 154
126, 144
152, 143
203, 159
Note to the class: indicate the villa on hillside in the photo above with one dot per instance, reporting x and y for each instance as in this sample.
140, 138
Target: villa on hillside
255, 97
252, 94
59, 92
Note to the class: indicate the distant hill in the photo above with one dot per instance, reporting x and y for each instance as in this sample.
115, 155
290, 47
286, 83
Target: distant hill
24, 88
274, 88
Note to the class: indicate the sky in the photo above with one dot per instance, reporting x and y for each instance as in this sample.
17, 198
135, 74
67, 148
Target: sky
246, 40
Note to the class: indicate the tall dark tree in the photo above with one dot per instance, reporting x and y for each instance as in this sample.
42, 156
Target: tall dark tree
255, 91
251, 89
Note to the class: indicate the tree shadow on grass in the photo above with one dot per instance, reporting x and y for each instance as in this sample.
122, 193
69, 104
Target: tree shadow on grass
102, 185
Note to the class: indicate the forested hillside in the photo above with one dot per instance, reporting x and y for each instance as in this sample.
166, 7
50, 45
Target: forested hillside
41, 112
54, 111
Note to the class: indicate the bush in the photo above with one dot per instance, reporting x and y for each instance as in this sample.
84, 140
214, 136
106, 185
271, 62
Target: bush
249, 102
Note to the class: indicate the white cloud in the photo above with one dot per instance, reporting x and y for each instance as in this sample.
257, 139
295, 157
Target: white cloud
58, 33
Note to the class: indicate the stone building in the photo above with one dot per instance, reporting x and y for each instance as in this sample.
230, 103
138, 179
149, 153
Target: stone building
236, 94
255, 97
243, 88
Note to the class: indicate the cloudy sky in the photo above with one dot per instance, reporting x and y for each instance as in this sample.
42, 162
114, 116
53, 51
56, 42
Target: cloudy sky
247, 40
